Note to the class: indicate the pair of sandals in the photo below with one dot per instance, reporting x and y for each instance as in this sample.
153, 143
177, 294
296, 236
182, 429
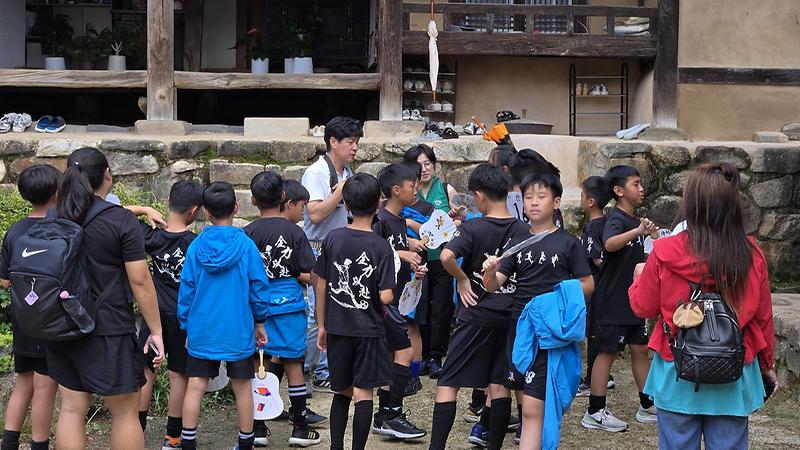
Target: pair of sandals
506, 115
433, 132
17, 123
413, 114
50, 124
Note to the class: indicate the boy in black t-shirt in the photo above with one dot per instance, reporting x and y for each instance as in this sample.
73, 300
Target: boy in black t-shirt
398, 186
537, 268
476, 355
294, 200
33, 386
594, 198
288, 261
167, 248
615, 323
354, 279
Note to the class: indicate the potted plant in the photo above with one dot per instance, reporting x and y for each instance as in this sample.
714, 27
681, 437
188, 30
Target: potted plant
301, 43
86, 50
116, 62
56, 32
123, 38
257, 50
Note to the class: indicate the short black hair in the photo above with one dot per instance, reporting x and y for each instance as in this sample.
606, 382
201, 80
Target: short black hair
219, 199
596, 188
394, 175
618, 176
267, 189
341, 127
420, 149
489, 180
413, 166
547, 180
38, 183
294, 191
362, 194
184, 194
503, 154
527, 162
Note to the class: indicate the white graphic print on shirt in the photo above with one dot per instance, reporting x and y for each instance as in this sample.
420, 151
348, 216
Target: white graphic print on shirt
170, 264
344, 286
274, 266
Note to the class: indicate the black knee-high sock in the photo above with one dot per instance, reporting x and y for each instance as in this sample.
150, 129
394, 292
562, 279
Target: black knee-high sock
297, 397
276, 368
44, 445
596, 403
478, 398
362, 416
498, 424
400, 377
383, 400
174, 425
444, 414
340, 406
644, 400
246, 439
591, 355
10, 440
143, 419
519, 412
486, 416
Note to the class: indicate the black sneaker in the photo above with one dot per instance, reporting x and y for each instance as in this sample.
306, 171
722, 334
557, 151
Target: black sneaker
377, 422
513, 423
303, 437
425, 367
436, 368
473, 414
321, 385
313, 418
283, 417
400, 428
414, 385
261, 434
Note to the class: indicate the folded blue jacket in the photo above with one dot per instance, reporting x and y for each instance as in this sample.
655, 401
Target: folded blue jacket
285, 296
555, 321
416, 216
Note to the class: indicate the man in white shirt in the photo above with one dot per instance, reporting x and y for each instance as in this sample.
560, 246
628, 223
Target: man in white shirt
325, 212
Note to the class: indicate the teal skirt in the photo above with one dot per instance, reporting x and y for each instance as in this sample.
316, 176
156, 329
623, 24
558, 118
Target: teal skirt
740, 398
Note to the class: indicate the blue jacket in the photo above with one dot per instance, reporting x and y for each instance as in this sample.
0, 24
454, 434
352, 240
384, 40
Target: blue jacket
286, 296
555, 321
224, 290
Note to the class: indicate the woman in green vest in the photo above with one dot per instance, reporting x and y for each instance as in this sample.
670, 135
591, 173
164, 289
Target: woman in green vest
440, 287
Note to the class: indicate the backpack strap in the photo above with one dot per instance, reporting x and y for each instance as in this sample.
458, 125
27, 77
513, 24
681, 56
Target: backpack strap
98, 207
101, 299
334, 178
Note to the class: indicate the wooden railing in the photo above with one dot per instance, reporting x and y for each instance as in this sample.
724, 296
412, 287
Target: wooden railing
573, 40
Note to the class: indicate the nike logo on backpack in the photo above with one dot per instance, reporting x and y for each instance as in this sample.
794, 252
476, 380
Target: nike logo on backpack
26, 253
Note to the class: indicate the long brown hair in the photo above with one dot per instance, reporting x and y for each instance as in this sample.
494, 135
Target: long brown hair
713, 211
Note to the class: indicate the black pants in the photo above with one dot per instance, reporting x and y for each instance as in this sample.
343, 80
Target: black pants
440, 289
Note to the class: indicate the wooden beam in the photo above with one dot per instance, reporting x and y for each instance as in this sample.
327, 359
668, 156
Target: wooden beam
193, 34
552, 10
161, 93
326, 81
72, 79
532, 44
390, 59
665, 71
738, 75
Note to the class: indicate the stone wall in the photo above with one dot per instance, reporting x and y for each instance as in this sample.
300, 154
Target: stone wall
154, 164
770, 186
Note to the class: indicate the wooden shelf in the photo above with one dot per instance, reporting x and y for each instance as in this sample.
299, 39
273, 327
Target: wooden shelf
430, 92
441, 74
74, 5
602, 95
436, 112
601, 77
600, 114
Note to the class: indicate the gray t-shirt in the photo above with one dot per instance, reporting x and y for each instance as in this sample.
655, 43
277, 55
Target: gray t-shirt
316, 180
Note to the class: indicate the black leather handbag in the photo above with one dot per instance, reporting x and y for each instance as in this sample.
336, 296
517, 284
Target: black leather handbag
711, 352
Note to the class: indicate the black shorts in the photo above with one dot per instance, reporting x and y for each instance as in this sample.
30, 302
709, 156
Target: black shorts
25, 364
102, 365
362, 362
206, 368
396, 330
614, 338
514, 379
174, 343
535, 378
476, 357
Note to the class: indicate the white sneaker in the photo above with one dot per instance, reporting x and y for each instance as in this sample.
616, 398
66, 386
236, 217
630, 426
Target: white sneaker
6, 122
647, 415
603, 420
22, 122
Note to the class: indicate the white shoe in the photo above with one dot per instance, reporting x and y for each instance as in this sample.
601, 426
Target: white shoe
603, 420
646, 415
6, 122
22, 122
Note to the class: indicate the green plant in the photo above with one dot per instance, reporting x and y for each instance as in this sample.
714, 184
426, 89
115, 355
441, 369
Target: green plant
128, 196
6, 359
300, 35
255, 44
123, 38
56, 32
88, 47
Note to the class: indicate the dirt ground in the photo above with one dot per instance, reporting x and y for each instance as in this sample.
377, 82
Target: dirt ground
774, 427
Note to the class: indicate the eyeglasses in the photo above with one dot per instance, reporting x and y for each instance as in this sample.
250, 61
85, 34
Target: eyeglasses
426, 165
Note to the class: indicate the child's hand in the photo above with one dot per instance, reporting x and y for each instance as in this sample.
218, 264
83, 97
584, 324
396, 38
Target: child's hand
459, 213
261, 335
464, 288
155, 342
409, 257
420, 271
322, 339
154, 218
491, 265
416, 246
646, 227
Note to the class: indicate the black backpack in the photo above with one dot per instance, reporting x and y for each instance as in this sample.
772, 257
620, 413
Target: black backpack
50, 293
712, 352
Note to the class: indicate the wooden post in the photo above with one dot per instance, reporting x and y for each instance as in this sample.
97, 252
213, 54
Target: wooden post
390, 59
161, 93
665, 72
193, 34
